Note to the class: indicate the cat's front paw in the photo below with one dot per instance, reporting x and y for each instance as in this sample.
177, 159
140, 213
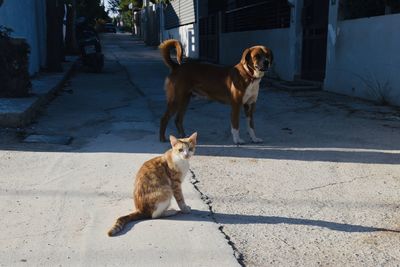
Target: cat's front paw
185, 208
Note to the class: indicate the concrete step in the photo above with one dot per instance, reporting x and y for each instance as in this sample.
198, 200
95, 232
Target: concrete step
296, 86
19, 112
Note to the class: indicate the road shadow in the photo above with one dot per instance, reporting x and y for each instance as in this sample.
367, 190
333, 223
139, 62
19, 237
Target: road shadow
106, 110
371, 156
226, 219
132, 141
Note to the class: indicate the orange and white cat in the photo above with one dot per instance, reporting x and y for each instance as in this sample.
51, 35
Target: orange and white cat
157, 181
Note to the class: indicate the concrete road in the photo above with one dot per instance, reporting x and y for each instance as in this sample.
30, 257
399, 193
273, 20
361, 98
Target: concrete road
322, 190
58, 201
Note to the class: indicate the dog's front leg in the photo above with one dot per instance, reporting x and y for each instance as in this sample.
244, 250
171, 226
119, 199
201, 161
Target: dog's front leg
235, 124
249, 111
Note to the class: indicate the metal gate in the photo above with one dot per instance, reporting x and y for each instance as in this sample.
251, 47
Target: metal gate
151, 21
315, 27
208, 38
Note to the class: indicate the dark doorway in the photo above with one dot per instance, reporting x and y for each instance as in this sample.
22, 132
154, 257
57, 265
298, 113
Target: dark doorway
315, 28
208, 38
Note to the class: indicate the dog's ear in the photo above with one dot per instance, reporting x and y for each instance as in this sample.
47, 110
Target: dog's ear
245, 56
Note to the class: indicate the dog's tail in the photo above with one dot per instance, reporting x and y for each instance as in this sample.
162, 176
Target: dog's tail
166, 48
122, 221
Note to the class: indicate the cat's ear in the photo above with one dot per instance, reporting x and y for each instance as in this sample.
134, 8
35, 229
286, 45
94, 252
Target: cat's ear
193, 137
173, 140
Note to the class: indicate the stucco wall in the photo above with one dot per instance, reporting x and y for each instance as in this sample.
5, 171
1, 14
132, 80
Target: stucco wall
28, 20
187, 36
364, 60
233, 44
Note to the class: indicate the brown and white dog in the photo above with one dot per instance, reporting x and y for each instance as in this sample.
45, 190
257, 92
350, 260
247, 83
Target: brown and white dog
237, 86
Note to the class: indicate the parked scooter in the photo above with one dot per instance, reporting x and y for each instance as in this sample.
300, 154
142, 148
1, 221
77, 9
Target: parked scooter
89, 46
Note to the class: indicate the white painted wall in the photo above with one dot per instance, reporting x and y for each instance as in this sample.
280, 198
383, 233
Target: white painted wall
363, 53
285, 44
233, 44
28, 20
187, 36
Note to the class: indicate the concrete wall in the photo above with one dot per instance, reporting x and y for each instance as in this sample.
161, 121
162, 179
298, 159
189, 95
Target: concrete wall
363, 57
285, 44
233, 44
28, 20
187, 36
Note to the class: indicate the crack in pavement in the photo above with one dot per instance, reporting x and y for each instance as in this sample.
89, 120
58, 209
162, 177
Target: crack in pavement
236, 253
331, 184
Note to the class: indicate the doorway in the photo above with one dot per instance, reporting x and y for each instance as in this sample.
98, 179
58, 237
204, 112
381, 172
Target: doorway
209, 38
315, 28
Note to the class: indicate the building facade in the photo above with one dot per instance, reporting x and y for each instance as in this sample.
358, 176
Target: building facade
27, 19
179, 21
347, 46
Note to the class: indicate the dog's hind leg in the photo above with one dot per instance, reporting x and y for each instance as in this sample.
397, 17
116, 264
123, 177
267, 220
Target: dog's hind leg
171, 110
171, 107
181, 113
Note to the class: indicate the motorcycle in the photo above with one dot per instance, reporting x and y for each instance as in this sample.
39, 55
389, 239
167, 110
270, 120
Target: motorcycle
90, 47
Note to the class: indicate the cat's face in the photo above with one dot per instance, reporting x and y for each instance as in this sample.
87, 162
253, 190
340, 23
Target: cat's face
183, 147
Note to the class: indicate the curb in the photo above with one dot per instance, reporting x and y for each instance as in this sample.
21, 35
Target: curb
30, 107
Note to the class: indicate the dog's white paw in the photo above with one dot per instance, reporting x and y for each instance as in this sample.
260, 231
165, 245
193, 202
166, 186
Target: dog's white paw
253, 136
185, 208
236, 138
256, 140
239, 141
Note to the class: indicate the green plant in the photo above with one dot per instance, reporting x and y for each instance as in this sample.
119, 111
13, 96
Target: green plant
14, 75
377, 89
5, 32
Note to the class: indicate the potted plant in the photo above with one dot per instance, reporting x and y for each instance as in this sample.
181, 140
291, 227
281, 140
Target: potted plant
14, 59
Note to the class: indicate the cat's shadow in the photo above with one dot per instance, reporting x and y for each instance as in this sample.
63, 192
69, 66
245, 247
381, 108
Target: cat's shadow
226, 219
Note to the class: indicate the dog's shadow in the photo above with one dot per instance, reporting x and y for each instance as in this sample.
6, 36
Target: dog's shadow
226, 219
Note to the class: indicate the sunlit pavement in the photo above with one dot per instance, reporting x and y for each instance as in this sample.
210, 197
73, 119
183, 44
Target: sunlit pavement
323, 188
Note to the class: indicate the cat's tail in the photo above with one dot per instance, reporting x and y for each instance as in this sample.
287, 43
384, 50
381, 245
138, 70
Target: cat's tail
166, 47
122, 221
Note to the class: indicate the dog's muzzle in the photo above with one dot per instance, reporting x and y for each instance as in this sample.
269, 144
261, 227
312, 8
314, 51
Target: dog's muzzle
265, 67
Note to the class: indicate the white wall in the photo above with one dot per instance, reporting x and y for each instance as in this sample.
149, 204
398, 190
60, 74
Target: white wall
28, 20
187, 36
364, 57
285, 44
233, 44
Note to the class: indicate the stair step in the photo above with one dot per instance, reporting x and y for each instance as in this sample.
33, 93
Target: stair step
297, 85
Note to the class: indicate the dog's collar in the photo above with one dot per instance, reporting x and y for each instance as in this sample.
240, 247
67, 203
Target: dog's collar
249, 75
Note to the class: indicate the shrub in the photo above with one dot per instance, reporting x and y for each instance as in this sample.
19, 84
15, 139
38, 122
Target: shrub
14, 75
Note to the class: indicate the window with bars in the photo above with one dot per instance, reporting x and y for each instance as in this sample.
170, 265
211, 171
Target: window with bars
255, 15
354, 9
